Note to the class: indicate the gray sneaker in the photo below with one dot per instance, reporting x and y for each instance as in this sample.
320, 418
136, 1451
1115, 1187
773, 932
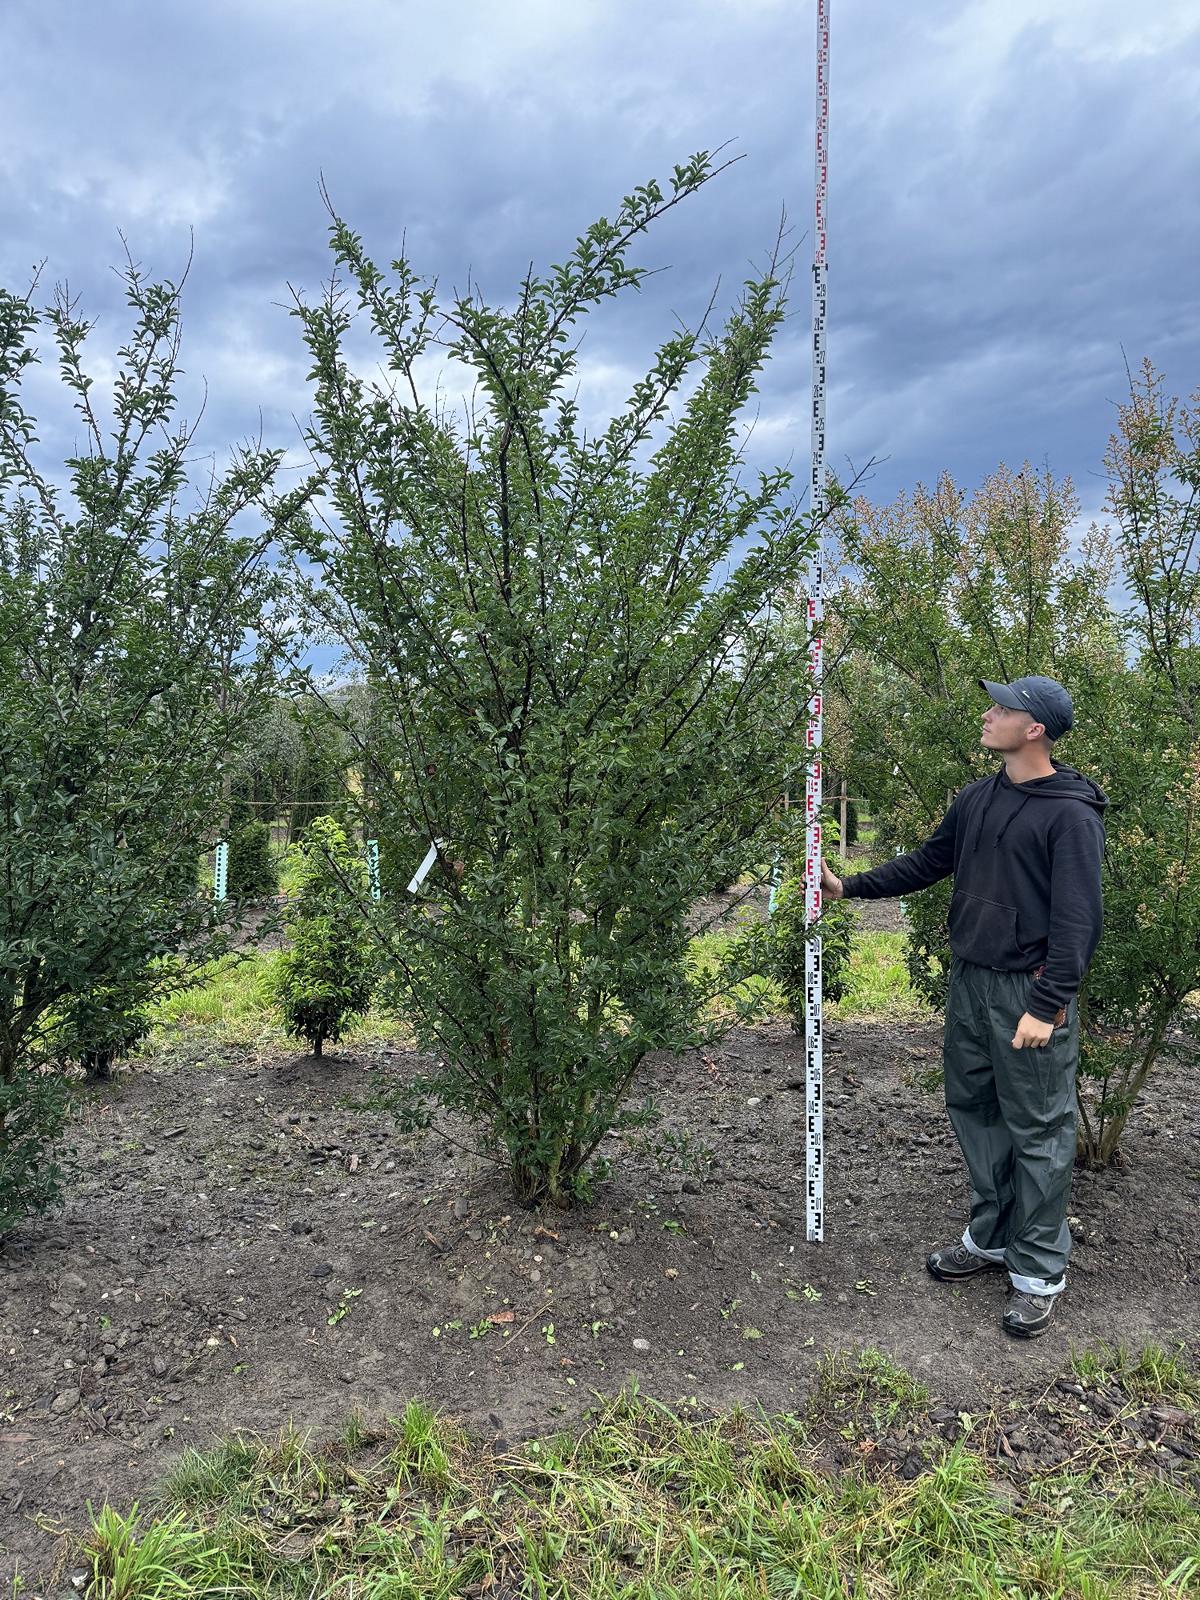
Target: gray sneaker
1027, 1315
955, 1262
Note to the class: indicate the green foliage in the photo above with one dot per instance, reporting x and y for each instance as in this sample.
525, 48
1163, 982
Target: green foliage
851, 823
326, 978
253, 870
292, 761
789, 938
927, 943
266, 768
321, 774
105, 1024
34, 1104
638, 1503
947, 590
125, 605
582, 693
168, 1559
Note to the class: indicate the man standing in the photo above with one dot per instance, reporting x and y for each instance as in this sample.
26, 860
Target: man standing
1025, 848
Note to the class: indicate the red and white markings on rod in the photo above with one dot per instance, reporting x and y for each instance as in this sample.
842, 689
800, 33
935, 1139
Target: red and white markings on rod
814, 1005
814, 1001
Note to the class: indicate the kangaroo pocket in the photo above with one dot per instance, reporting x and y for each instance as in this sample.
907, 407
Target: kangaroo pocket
985, 932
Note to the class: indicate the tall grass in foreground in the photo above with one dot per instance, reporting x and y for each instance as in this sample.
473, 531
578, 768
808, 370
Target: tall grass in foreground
641, 1505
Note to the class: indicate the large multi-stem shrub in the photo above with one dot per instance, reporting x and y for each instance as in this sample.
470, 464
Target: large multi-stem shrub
940, 589
125, 601
943, 590
578, 690
1143, 746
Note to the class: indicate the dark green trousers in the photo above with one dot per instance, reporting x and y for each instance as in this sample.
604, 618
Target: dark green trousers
1014, 1114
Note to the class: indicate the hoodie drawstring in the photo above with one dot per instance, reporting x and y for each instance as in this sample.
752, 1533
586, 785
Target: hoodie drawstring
1071, 783
1024, 801
987, 805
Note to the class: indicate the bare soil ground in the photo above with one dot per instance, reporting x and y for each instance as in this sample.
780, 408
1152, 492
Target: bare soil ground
242, 1248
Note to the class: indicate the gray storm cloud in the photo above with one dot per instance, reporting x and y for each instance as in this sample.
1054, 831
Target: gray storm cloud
1012, 201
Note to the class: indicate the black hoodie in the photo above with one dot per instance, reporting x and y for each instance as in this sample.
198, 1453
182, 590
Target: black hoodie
1026, 865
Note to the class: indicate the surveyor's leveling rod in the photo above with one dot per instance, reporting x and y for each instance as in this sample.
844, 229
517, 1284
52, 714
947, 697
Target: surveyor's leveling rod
814, 1003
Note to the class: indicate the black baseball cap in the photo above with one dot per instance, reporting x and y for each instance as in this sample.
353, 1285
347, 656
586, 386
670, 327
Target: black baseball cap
1045, 700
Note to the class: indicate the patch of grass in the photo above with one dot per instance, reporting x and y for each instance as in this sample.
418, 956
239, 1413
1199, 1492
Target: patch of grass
1153, 1373
357, 1431
865, 1373
166, 1559
867, 1385
428, 1450
232, 1003
639, 1504
877, 982
220, 1477
707, 953
290, 859
230, 998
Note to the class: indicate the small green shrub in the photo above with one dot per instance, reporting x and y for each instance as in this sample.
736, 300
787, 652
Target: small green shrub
327, 976
34, 1104
102, 1026
253, 871
851, 823
789, 938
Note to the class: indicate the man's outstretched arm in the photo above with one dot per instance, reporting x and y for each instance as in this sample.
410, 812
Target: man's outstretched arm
928, 863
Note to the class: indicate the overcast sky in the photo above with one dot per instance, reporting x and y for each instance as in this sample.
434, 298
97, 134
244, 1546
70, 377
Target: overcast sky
1013, 189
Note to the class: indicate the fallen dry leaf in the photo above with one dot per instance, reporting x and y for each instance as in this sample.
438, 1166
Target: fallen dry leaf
500, 1317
